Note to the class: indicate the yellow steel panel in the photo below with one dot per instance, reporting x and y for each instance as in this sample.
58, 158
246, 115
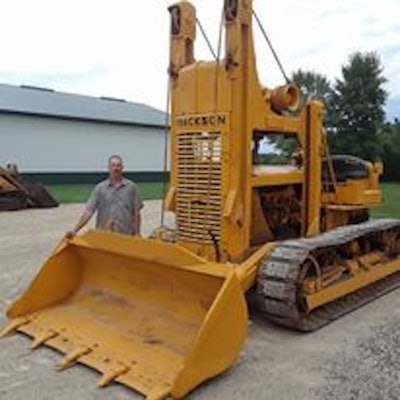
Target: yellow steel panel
277, 179
351, 284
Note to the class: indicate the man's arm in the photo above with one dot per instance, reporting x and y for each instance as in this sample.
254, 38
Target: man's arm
90, 209
136, 221
83, 220
137, 206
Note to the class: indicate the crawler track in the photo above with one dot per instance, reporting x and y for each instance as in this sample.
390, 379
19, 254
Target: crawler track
280, 277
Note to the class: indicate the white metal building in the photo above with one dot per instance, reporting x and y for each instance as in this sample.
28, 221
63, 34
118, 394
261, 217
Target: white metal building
62, 137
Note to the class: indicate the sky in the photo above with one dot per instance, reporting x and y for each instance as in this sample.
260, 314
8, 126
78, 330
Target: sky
120, 48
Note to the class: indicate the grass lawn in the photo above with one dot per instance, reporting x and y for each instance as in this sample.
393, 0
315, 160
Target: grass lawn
153, 190
391, 201
81, 193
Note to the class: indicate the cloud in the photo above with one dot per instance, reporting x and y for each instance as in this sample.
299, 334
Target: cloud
120, 48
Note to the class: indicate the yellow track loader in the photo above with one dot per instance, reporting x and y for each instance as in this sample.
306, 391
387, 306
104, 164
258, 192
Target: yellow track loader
162, 315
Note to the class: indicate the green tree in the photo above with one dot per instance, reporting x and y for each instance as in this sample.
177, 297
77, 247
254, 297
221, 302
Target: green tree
313, 86
357, 107
390, 144
316, 86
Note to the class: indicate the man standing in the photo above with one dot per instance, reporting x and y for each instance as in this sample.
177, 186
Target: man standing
116, 201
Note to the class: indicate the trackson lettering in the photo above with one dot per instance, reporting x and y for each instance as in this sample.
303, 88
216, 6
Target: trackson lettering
201, 120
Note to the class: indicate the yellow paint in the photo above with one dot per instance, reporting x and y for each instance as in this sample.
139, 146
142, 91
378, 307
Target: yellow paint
358, 281
142, 310
162, 318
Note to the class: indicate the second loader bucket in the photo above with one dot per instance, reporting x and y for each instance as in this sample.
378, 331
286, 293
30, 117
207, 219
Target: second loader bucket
147, 314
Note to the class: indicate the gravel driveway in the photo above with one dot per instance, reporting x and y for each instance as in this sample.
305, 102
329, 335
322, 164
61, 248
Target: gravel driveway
356, 357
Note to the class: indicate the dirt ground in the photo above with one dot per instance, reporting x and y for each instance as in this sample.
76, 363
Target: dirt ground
356, 357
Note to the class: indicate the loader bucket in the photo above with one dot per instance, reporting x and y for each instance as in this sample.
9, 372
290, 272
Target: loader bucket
144, 313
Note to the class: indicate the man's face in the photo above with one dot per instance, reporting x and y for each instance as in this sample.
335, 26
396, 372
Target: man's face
115, 167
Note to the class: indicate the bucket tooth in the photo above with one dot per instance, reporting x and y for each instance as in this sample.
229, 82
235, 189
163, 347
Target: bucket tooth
112, 374
42, 338
14, 325
160, 392
72, 357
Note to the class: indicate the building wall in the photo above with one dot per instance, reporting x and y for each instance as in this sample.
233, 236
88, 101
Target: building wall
43, 145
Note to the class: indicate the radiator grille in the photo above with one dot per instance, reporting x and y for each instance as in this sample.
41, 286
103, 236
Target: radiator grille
199, 186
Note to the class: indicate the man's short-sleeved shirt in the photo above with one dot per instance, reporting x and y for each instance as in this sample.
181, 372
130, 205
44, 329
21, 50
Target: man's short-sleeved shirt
115, 205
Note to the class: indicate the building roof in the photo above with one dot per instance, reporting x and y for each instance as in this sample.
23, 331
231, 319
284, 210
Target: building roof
49, 103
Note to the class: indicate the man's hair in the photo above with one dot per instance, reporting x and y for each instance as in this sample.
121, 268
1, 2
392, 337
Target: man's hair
115, 156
